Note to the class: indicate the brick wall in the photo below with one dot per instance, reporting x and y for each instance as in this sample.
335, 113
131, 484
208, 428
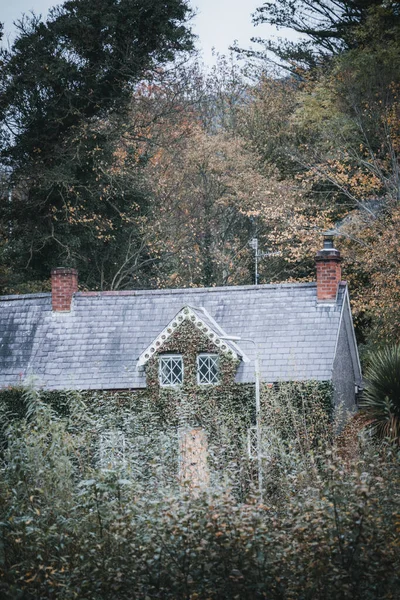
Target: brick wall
329, 274
64, 283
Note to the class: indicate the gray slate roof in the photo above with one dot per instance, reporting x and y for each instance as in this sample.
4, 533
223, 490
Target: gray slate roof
97, 344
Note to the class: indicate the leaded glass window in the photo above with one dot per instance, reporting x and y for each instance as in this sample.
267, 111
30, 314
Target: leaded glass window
266, 443
112, 449
171, 370
207, 369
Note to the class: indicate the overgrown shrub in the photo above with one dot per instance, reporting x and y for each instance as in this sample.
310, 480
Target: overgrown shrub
73, 526
296, 419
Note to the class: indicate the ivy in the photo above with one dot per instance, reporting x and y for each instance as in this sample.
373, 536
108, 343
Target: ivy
70, 529
298, 413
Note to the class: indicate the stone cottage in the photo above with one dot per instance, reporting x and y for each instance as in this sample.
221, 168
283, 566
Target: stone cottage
69, 339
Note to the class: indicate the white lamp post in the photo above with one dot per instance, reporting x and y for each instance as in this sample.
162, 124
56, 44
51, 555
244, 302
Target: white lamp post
258, 408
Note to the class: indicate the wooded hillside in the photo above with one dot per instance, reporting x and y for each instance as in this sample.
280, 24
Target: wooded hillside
121, 156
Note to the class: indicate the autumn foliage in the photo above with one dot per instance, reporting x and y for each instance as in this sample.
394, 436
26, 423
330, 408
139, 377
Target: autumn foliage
167, 184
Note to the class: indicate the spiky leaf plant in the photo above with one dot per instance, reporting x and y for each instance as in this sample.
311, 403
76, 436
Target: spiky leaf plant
381, 402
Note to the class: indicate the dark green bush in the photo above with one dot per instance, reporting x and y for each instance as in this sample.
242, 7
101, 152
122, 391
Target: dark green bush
70, 529
381, 398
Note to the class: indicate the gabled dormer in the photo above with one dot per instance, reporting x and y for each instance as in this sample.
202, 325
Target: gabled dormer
189, 350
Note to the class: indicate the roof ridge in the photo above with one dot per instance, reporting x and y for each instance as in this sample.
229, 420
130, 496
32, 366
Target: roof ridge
197, 290
25, 296
171, 291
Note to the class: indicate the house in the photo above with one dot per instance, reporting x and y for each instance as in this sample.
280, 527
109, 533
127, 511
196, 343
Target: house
68, 339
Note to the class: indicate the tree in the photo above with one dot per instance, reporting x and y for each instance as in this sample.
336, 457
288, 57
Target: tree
65, 93
266, 121
80, 64
205, 191
326, 28
348, 121
212, 194
337, 132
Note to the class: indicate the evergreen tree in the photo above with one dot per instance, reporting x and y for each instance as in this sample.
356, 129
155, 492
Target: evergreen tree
65, 89
326, 27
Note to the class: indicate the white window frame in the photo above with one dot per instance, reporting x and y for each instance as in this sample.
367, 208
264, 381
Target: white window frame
169, 356
252, 443
207, 355
112, 449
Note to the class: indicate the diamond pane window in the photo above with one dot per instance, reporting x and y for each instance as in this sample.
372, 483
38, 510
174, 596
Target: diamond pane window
266, 444
171, 370
252, 442
207, 369
112, 450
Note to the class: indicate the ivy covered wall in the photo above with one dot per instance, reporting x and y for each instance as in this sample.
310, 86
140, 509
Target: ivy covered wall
189, 341
296, 412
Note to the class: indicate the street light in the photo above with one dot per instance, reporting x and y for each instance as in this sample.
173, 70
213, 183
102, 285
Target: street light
234, 338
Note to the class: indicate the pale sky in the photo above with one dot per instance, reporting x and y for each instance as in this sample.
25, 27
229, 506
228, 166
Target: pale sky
218, 23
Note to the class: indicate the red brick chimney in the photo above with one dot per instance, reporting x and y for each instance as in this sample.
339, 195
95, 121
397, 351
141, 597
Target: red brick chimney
329, 272
64, 283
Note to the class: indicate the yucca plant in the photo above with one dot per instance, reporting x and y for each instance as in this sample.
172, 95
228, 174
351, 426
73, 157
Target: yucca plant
381, 401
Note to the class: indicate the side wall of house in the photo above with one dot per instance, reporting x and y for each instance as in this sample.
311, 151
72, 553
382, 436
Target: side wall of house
343, 377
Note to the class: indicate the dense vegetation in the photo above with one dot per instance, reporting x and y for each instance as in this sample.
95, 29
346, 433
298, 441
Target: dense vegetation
81, 519
145, 171
381, 400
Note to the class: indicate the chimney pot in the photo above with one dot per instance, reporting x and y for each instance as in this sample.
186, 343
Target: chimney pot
328, 241
64, 283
